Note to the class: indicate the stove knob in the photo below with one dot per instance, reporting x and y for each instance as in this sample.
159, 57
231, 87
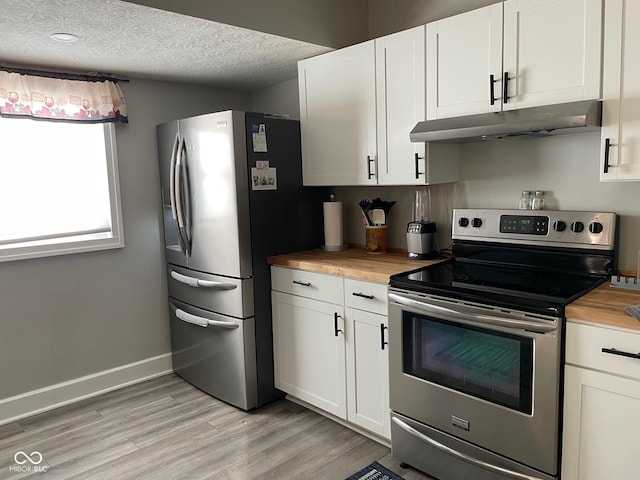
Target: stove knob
463, 222
559, 226
595, 227
577, 227
476, 222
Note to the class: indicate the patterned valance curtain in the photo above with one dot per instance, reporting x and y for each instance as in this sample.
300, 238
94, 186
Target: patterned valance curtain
99, 100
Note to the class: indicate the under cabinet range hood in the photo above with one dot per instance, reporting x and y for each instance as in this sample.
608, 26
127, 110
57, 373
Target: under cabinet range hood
573, 117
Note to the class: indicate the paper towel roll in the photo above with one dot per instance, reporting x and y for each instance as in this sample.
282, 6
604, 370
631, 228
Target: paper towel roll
332, 226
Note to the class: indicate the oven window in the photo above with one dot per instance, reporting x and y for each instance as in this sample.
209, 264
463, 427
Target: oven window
494, 366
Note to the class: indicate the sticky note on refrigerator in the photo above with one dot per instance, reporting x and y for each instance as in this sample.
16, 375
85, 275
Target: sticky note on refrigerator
259, 134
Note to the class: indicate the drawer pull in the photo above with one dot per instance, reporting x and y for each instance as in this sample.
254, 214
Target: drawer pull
363, 295
613, 351
304, 284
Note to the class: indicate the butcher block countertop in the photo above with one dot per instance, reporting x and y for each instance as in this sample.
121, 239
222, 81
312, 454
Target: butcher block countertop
605, 306
352, 263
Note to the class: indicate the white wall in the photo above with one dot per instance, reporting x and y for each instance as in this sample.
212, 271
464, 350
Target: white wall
69, 316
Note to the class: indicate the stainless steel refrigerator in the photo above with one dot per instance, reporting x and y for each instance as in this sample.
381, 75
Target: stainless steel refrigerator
232, 195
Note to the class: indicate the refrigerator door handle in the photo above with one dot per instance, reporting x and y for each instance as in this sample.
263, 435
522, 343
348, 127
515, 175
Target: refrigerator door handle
199, 283
178, 179
204, 322
172, 178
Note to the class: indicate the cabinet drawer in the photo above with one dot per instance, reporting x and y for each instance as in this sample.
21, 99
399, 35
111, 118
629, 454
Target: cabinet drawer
326, 288
585, 344
371, 297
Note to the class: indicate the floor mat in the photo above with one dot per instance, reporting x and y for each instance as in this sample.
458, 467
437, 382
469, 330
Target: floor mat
375, 471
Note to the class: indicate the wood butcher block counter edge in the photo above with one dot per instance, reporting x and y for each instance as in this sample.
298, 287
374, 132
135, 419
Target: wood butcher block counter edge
352, 263
604, 305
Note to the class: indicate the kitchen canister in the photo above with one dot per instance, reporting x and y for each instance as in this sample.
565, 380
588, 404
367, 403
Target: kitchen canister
375, 238
333, 235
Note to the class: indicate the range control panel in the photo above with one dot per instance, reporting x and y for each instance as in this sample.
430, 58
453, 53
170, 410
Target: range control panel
536, 227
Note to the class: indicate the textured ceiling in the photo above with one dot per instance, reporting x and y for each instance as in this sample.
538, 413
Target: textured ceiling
131, 40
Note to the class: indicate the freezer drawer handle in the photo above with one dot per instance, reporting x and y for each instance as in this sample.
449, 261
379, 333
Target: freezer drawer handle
198, 283
466, 458
203, 322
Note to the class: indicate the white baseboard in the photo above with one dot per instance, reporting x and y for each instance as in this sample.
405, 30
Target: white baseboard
54, 396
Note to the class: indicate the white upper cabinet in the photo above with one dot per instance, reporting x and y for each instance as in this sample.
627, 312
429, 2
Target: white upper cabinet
338, 117
552, 51
357, 107
400, 102
464, 53
535, 52
620, 150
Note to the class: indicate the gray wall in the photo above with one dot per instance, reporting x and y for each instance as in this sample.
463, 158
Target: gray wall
493, 174
333, 23
388, 17
69, 316
280, 99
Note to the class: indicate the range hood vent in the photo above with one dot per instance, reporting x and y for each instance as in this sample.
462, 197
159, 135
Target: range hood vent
574, 117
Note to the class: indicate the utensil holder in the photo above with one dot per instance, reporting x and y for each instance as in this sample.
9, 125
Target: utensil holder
376, 238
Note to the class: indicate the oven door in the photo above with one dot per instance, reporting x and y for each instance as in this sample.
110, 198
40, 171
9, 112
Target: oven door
487, 376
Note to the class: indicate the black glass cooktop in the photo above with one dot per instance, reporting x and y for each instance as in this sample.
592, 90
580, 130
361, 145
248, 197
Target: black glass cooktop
531, 290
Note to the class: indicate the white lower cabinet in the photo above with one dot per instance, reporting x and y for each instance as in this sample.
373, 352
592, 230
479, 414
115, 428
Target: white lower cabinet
368, 371
601, 404
309, 357
332, 354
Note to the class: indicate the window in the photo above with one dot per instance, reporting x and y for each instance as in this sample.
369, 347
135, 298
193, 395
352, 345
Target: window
60, 191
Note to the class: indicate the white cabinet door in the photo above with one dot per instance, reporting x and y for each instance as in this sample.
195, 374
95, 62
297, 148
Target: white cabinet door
601, 425
338, 117
548, 51
400, 101
552, 51
620, 149
368, 371
463, 53
309, 352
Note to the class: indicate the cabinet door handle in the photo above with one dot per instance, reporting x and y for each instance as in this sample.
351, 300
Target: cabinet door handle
382, 342
304, 284
505, 90
607, 147
492, 95
613, 351
363, 295
335, 323
418, 172
369, 160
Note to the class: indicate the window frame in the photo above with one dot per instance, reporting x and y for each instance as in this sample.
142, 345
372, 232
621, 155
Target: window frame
85, 242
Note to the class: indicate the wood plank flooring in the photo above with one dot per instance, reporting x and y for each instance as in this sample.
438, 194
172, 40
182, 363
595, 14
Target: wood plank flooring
166, 429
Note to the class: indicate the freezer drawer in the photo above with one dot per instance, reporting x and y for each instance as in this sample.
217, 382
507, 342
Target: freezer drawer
215, 353
224, 295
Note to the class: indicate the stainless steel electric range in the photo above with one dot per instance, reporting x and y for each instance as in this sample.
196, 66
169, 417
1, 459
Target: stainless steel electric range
476, 343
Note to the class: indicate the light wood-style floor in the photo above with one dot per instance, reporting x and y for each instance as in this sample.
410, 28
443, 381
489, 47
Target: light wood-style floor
166, 429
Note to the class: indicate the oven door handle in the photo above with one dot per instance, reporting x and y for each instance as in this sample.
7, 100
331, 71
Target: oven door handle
462, 456
450, 314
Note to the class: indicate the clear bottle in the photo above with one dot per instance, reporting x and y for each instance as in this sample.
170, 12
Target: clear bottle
525, 200
537, 203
